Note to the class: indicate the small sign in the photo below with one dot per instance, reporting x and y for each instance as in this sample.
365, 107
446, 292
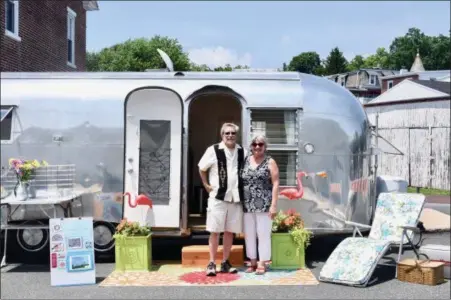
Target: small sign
71, 251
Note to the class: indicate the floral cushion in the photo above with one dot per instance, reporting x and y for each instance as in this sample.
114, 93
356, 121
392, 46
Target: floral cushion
353, 261
394, 210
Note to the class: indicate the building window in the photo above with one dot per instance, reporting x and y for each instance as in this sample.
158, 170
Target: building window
6, 122
281, 130
12, 19
389, 84
71, 15
373, 79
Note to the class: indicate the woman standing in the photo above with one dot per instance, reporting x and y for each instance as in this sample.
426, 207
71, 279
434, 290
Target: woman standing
260, 177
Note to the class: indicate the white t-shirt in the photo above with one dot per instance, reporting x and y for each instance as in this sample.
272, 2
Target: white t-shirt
209, 161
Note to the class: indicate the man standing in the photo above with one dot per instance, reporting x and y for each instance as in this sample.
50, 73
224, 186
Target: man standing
223, 161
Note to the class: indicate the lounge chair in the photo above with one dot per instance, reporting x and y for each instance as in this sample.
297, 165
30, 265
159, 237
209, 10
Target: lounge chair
353, 261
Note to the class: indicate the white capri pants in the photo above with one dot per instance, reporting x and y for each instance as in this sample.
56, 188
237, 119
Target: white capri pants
258, 225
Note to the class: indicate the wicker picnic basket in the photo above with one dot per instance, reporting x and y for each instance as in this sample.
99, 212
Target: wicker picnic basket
421, 271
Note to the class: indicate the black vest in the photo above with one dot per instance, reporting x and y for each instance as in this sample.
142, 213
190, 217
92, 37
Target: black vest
222, 172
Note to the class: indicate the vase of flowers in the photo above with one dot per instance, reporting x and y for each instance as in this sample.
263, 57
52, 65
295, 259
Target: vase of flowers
289, 240
133, 250
25, 169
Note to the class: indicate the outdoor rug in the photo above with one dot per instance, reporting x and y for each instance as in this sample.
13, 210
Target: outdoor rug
176, 275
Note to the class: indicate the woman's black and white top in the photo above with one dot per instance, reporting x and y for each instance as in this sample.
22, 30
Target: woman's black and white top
257, 186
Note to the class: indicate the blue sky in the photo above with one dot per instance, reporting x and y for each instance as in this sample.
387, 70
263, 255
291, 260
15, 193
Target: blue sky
265, 34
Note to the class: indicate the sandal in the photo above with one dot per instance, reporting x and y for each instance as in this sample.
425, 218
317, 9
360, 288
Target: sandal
260, 271
251, 269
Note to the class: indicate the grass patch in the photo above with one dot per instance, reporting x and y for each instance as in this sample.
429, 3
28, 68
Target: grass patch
427, 191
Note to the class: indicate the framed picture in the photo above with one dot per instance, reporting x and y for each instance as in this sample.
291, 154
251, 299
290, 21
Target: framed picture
75, 243
80, 262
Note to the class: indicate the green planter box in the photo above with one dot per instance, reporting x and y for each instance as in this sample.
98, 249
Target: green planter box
134, 253
283, 252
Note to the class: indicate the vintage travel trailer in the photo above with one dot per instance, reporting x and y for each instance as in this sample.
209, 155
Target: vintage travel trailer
106, 135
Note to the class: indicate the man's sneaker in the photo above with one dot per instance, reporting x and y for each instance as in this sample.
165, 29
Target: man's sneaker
226, 267
211, 269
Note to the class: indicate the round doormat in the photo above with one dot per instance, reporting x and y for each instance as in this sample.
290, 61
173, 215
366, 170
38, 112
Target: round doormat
176, 275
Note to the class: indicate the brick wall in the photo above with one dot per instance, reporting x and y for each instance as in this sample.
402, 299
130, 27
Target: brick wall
396, 81
43, 33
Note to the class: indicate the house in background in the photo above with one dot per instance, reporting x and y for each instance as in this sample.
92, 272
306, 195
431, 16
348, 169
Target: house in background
365, 84
414, 116
44, 35
417, 72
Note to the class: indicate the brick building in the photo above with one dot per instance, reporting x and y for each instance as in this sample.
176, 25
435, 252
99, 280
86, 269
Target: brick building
416, 72
365, 84
44, 35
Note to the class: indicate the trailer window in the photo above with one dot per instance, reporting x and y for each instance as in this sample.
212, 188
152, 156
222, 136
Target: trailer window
279, 126
6, 122
281, 130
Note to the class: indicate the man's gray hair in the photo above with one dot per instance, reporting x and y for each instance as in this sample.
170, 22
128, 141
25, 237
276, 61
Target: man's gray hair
225, 125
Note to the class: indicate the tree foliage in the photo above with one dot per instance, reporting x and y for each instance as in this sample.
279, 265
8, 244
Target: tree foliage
356, 63
379, 60
335, 62
139, 55
226, 68
306, 62
434, 50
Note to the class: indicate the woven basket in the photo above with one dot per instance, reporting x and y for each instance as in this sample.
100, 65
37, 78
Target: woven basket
421, 271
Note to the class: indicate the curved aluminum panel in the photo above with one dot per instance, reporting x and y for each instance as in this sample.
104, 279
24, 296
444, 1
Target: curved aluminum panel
88, 114
335, 125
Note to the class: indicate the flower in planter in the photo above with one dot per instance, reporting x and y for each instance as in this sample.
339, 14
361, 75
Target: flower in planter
127, 228
291, 222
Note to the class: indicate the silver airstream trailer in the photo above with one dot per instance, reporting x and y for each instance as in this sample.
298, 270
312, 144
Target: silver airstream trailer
112, 134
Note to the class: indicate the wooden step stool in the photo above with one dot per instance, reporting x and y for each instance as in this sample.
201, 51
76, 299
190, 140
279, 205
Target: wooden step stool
199, 256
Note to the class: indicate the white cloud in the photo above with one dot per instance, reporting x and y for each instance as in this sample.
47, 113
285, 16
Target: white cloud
218, 57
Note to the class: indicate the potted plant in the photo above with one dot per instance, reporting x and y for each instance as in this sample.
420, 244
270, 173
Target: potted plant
133, 251
289, 240
25, 169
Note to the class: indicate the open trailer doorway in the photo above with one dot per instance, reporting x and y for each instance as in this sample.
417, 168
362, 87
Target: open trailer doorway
208, 110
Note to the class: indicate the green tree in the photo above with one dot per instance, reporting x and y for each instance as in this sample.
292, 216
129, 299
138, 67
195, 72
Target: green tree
335, 62
92, 61
284, 67
379, 60
227, 68
306, 62
439, 55
404, 49
356, 63
199, 68
139, 55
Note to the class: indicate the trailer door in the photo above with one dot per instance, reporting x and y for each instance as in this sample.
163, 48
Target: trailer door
153, 156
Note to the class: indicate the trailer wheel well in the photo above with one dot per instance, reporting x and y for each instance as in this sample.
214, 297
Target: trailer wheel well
103, 230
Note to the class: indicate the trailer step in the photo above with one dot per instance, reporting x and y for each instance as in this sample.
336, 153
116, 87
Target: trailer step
199, 255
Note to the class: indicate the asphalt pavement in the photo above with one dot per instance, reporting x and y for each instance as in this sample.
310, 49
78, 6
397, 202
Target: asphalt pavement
441, 203
33, 282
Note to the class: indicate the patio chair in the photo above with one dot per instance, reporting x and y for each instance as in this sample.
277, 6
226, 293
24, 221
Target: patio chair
353, 261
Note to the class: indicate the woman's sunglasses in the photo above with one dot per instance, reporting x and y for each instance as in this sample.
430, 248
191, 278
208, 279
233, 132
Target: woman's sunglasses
230, 133
258, 144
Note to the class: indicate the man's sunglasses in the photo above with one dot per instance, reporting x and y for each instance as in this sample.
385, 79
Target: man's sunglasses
258, 144
230, 133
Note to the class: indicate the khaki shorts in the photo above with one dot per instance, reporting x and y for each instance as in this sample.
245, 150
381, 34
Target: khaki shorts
224, 216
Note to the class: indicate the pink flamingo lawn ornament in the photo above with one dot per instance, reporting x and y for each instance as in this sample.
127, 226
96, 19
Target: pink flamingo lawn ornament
140, 200
293, 193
